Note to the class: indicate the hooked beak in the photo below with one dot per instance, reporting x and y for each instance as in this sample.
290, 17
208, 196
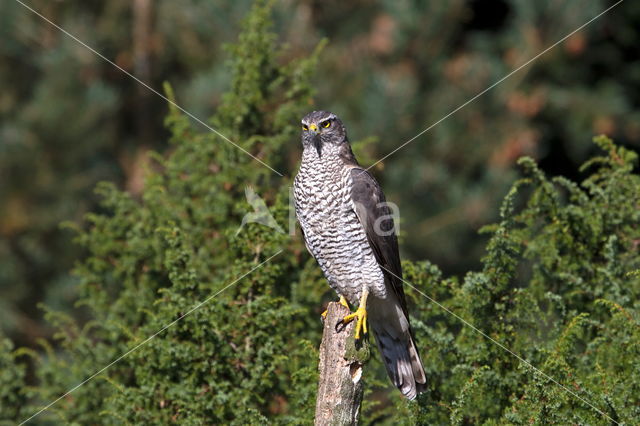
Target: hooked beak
317, 143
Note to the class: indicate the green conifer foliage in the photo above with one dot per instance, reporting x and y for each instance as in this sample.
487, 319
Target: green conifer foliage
151, 261
559, 287
12, 375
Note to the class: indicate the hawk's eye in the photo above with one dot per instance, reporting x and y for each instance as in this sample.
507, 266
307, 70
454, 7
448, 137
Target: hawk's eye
305, 127
326, 124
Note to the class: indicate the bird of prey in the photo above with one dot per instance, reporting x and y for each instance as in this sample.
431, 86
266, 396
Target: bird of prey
348, 228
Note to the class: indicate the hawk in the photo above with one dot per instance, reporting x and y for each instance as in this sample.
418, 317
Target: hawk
348, 228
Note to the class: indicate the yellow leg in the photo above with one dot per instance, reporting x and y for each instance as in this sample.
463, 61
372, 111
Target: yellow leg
343, 302
360, 314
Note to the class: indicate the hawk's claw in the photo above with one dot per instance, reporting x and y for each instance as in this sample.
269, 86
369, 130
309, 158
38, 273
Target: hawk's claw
342, 301
361, 321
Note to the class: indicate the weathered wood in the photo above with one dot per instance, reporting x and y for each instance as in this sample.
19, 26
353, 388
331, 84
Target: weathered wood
342, 360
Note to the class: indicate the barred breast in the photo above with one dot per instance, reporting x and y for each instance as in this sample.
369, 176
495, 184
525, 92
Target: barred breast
332, 232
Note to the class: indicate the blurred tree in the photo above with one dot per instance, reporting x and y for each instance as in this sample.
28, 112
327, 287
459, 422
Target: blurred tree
400, 66
222, 324
152, 258
68, 119
392, 68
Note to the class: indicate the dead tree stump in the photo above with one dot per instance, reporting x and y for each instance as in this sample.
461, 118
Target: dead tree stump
342, 360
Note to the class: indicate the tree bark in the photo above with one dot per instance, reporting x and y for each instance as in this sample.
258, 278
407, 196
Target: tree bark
342, 360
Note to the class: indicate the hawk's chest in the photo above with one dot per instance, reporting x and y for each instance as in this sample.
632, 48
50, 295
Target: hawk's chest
322, 195
332, 231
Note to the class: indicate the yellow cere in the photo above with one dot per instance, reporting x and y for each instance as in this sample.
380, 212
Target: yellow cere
313, 127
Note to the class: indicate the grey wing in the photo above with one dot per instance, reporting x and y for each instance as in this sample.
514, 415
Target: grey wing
376, 218
395, 340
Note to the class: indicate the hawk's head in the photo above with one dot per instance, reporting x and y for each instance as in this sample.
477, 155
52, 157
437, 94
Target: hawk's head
322, 128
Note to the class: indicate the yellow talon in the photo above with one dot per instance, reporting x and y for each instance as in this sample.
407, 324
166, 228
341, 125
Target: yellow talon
361, 323
360, 314
343, 302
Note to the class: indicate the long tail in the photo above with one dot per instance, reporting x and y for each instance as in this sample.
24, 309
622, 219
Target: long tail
399, 354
